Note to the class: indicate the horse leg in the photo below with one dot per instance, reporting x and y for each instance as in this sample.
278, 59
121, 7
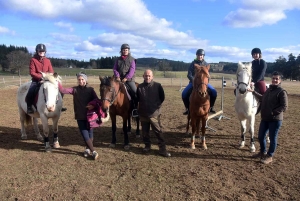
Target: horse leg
37, 130
46, 133
55, 132
188, 124
22, 121
243, 131
129, 126
126, 139
251, 130
203, 130
137, 132
193, 123
114, 129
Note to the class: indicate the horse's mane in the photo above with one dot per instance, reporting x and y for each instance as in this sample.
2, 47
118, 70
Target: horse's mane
53, 78
246, 66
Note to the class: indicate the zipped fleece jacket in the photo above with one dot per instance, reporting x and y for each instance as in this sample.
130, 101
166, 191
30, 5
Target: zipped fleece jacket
39, 64
274, 103
125, 68
259, 67
150, 97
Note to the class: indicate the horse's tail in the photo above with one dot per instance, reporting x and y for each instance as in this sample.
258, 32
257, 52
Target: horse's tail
28, 120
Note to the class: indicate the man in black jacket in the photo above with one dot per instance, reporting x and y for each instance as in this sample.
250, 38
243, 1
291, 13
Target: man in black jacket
273, 103
150, 96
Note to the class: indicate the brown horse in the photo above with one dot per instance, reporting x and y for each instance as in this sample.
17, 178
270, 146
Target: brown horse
115, 100
199, 104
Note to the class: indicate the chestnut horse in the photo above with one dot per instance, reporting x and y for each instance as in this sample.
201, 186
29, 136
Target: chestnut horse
199, 104
115, 99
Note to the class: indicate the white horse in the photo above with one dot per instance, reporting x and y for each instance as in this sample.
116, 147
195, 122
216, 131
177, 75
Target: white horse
48, 106
245, 102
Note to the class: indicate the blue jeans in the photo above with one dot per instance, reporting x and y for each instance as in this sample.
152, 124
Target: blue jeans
85, 132
185, 95
273, 127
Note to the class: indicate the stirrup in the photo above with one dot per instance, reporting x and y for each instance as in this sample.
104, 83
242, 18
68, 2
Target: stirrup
134, 113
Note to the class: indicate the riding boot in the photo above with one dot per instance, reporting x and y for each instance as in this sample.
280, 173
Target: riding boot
186, 104
212, 103
135, 111
29, 99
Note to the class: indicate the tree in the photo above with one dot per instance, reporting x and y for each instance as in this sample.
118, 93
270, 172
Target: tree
18, 60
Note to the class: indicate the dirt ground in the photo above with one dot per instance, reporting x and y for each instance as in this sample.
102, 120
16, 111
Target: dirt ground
223, 172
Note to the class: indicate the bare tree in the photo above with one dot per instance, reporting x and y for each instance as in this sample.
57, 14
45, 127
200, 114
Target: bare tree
18, 60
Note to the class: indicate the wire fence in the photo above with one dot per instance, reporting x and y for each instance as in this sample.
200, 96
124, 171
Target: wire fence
16, 81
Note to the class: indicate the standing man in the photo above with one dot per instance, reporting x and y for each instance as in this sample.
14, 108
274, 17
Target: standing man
274, 102
150, 96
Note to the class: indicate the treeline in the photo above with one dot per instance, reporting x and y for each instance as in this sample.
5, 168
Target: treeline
16, 60
288, 67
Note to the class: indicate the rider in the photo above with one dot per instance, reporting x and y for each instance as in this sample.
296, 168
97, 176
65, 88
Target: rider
259, 67
188, 89
124, 70
38, 63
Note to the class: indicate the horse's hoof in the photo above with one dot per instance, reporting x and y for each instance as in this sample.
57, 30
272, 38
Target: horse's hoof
242, 145
24, 137
193, 147
56, 145
48, 149
252, 150
112, 145
127, 147
204, 147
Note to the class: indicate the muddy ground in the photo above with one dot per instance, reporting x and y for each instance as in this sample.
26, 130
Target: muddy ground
223, 172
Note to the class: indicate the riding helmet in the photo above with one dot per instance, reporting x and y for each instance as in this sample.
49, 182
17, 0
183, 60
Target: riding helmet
200, 52
40, 48
255, 51
125, 46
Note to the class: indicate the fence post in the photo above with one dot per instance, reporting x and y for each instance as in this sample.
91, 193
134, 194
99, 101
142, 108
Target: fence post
4, 82
20, 81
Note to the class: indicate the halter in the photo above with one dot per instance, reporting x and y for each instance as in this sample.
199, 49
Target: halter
114, 94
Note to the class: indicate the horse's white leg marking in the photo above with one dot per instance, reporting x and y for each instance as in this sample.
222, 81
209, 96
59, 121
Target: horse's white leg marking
251, 130
55, 130
193, 123
243, 131
44, 120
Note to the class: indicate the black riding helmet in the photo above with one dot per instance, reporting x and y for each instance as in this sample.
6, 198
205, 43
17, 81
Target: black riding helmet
40, 48
255, 51
200, 52
125, 46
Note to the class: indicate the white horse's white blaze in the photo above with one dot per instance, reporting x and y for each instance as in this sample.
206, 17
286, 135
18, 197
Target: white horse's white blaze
48, 107
245, 103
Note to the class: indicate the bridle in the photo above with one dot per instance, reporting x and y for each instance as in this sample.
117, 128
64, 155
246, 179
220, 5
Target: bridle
244, 83
45, 98
199, 85
114, 94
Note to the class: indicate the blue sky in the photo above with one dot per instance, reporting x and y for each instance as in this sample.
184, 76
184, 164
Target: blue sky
173, 29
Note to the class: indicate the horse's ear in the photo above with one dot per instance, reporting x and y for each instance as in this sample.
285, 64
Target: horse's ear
55, 74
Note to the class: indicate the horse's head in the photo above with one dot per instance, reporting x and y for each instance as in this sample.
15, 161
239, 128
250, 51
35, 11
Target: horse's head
50, 91
243, 74
201, 79
109, 88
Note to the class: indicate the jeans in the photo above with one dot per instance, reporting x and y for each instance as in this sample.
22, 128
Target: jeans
273, 127
85, 132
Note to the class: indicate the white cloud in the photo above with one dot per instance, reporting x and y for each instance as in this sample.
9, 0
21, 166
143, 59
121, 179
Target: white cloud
258, 13
65, 37
64, 25
4, 30
111, 14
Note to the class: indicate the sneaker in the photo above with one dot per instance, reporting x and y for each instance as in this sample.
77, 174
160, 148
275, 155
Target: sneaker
135, 113
87, 153
95, 155
266, 160
165, 153
63, 109
186, 112
30, 110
